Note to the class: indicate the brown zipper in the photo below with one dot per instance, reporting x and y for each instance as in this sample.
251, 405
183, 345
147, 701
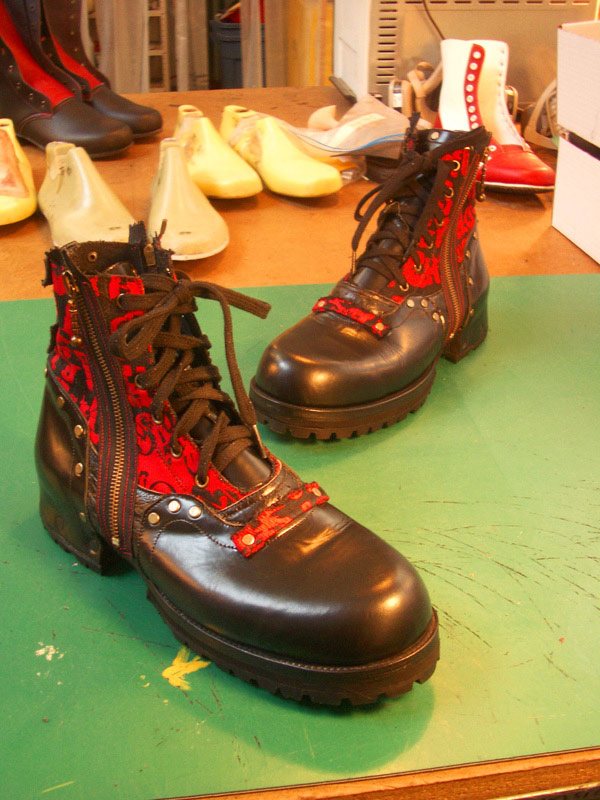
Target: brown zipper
455, 304
116, 455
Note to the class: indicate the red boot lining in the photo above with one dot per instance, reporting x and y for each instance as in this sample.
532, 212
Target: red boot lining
71, 65
32, 72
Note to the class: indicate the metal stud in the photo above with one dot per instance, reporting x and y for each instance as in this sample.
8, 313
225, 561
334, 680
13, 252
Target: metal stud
410, 302
78, 430
379, 326
424, 303
470, 281
60, 401
195, 512
434, 135
78, 469
82, 516
248, 539
436, 316
153, 518
174, 506
115, 541
442, 319
76, 340
467, 254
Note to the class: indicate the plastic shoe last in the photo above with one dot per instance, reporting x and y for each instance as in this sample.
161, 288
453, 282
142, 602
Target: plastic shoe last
367, 355
284, 168
193, 228
77, 202
142, 456
17, 190
213, 165
474, 94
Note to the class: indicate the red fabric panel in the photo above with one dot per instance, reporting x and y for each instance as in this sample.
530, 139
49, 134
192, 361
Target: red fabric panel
70, 64
32, 72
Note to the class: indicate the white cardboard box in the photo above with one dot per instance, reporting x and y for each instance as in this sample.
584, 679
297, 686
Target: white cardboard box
576, 209
578, 80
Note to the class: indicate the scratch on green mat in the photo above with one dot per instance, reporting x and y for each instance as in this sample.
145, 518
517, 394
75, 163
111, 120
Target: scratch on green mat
181, 667
58, 786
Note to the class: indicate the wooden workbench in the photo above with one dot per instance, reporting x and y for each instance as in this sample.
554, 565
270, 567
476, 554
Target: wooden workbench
278, 241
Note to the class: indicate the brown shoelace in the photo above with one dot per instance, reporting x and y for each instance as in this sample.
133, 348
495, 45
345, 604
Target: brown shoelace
182, 373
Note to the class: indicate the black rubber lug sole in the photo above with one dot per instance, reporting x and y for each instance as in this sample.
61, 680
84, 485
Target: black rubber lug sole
345, 421
359, 685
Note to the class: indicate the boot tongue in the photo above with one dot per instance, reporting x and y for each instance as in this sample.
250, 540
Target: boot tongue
399, 219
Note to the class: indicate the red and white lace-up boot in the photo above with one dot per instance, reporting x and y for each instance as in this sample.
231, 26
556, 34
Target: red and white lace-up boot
473, 94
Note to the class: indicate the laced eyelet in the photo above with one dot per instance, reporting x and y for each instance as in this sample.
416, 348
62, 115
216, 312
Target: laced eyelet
157, 420
93, 256
138, 380
201, 484
176, 452
456, 165
449, 193
119, 300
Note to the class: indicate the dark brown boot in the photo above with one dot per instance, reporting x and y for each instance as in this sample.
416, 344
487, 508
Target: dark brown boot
44, 102
142, 456
367, 354
64, 46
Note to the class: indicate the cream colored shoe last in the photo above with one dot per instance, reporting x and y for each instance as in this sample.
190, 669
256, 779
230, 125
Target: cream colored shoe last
213, 165
284, 168
17, 191
76, 201
193, 228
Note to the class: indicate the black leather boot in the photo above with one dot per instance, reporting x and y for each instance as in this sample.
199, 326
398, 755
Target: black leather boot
142, 456
42, 100
367, 354
64, 46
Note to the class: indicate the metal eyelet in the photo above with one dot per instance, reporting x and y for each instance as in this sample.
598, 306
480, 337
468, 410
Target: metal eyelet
157, 420
456, 165
93, 256
119, 300
449, 193
201, 484
176, 452
137, 380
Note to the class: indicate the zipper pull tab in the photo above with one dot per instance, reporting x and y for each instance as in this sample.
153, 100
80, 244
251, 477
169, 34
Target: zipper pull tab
149, 256
480, 187
72, 294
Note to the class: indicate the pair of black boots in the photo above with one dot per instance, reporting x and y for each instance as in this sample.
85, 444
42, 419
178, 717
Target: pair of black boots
142, 456
52, 92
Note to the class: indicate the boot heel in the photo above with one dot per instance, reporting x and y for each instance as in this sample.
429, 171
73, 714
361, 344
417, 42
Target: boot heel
76, 535
471, 335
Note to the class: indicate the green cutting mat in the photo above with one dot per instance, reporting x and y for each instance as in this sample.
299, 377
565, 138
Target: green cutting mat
492, 489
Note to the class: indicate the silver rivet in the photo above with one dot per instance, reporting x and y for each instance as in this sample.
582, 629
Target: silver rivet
195, 512
60, 401
115, 541
153, 518
78, 469
410, 302
424, 303
248, 539
78, 430
174, 506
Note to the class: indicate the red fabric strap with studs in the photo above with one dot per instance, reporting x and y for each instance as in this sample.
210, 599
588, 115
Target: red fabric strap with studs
343, 307
273, 520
